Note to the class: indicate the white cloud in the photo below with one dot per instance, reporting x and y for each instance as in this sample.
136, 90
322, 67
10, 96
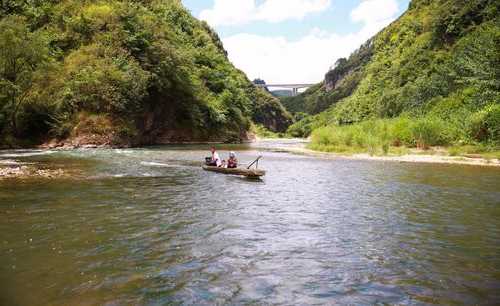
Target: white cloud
233, 12
375, 11
280, 10
229, 12
279, 60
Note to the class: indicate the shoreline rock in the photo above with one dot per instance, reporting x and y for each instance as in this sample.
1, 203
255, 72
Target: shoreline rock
10, 169
97, 142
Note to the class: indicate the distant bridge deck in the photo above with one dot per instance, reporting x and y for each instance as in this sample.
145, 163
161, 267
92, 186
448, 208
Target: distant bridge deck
292, 86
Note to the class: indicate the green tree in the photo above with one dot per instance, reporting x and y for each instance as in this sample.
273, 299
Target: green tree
22, 55
477, 58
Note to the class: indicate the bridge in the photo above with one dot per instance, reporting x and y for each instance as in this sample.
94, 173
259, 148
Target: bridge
294, 87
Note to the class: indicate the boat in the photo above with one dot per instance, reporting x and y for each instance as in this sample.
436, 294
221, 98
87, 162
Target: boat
250, 173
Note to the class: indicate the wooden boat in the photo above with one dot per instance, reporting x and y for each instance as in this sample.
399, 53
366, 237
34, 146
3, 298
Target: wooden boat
251, 173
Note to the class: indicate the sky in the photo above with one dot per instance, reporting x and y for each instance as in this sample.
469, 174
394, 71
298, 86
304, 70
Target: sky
294, 41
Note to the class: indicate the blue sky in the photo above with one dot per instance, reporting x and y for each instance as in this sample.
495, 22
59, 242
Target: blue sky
293, 41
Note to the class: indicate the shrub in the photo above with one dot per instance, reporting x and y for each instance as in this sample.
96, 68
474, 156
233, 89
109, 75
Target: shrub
429, 131
377, 136
93, 19
484, 125
98, 124
302, 128
401, 132
323, 136
385, 148
358, 137
61, 125
126, 130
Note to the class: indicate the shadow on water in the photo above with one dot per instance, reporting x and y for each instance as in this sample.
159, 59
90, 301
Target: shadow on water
244, 179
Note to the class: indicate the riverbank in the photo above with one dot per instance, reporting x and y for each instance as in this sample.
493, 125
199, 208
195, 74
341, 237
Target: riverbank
435, 155
93, 141
108, 138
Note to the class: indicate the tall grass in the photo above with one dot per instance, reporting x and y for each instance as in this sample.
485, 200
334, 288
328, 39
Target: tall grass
378, 136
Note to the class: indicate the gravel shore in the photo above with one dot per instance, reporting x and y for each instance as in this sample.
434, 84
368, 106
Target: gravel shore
413, 157
15, 169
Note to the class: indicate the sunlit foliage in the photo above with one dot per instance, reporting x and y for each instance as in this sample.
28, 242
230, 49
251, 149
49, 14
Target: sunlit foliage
149, 63
439, 62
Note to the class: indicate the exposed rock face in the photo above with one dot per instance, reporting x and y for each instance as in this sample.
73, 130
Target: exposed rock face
87, 141
345, 67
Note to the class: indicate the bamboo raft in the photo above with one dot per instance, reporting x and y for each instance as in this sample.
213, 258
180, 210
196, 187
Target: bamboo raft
247, 172
251, 173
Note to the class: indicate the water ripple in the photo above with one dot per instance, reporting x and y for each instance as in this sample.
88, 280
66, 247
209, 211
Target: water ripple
152, 228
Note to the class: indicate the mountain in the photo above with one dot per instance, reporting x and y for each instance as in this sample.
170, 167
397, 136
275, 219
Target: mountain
121, 73
439, 60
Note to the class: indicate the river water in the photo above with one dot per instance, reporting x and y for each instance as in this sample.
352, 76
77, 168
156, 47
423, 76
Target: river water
150, 227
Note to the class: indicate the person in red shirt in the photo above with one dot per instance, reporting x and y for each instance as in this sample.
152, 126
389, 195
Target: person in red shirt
232, 162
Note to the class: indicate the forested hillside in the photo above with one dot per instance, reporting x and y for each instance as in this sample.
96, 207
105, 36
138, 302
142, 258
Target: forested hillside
435, 71
121, 72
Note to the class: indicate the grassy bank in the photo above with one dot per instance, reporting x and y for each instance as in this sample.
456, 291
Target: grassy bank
400, 136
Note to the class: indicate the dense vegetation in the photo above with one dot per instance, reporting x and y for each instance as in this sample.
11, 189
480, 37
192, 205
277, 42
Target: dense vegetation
130, 71
436, 70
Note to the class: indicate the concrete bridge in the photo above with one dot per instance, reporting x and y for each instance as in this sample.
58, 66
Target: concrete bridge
294, 87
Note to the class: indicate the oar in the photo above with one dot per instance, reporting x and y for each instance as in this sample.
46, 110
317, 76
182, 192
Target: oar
255, 161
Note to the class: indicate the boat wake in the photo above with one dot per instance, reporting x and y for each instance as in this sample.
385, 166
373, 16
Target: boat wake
155, 164
25, 153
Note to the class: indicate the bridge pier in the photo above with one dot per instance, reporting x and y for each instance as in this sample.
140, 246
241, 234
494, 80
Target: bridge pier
295, 91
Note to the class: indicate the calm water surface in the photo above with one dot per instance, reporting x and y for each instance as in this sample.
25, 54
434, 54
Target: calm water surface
149, 227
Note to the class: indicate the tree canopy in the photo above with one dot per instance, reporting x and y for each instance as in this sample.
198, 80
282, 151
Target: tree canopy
148, 67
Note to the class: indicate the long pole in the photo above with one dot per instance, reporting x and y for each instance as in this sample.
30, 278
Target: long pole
255, 161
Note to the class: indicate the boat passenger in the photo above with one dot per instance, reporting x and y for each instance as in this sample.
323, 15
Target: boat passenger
216, 161
232, 162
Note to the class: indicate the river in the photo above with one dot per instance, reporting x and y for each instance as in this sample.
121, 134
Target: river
150, 227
